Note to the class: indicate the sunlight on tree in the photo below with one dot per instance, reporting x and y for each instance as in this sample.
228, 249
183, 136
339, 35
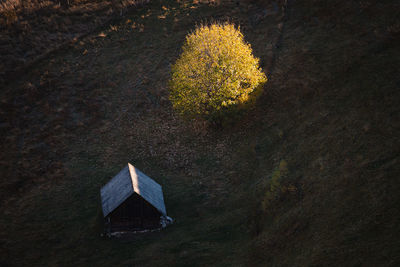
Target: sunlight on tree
215, 74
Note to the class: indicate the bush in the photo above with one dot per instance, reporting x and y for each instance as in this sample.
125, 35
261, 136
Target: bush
280, 187
216, 73
275, 188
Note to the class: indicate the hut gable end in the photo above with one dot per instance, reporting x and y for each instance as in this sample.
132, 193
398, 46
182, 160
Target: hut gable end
128, 181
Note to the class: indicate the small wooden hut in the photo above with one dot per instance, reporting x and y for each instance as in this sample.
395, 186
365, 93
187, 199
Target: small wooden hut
132, 201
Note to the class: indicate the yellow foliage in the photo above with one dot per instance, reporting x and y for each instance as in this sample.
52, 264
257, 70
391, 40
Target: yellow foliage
215, 73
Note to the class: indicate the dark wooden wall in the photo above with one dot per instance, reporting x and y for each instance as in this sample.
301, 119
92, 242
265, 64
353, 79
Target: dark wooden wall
134, 214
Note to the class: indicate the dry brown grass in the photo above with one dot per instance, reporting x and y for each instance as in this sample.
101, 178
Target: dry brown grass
330, 111
31, 30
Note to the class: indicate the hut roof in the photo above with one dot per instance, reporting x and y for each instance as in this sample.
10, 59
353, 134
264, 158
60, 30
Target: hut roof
127, 182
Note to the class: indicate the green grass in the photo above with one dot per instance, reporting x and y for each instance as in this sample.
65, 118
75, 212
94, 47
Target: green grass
329, 110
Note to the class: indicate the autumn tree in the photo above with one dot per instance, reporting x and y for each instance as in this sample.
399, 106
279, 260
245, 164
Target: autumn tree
216, 73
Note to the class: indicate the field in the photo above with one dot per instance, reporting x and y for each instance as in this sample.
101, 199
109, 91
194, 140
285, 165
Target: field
309, 177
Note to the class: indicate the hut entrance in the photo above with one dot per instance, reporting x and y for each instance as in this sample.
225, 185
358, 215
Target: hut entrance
134, 214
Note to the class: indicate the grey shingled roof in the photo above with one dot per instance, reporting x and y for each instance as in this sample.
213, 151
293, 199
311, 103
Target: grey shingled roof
128, 181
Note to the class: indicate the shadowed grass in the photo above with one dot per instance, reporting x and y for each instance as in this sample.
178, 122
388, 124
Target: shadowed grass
328, 110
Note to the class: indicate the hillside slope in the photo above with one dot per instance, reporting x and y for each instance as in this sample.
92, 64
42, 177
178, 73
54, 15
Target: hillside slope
336, 97
308, 178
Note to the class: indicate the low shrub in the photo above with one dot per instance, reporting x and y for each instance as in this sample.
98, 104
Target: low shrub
278, 186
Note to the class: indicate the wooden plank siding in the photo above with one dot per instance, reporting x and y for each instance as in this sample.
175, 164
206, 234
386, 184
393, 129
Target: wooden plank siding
134, 214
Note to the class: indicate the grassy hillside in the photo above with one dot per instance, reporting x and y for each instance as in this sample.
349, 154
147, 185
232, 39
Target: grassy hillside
33, 29
307, 178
